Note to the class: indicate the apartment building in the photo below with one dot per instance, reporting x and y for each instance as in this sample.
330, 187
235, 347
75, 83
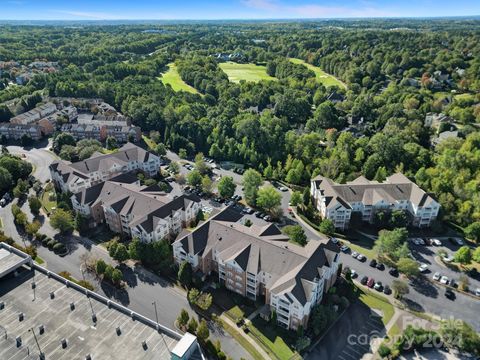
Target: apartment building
133, 210
122, 134
338, 202
17, 131
111, 120
35, 114
76, 176
258, 262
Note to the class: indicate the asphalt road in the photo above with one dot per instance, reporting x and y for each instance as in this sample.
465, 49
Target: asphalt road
39, 157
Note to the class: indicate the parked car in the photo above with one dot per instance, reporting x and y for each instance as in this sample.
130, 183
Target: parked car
344, 248
378, 286
354, 254
380, 266
282, 188
387, 290
393, 272
334, 240
423, 268
437, 276
373, 263
258, 214
448, 259
370, 282
459, 241
477, 292
267, 218
361, 257
444, 280
364, 280
248, 210
353, 274
436, 242
449, 294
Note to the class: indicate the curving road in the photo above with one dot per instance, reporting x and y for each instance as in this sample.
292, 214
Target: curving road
39, 157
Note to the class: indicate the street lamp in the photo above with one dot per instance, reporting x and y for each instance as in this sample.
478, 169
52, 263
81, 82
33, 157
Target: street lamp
41, 354
154, 303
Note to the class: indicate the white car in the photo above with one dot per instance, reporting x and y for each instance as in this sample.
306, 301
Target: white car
436, 276
334, 240
354, 274
436, 242
444, 280
354, 254
448, 259
459, 241
344, 248
423, 268
477, 292
361, 257
418, 241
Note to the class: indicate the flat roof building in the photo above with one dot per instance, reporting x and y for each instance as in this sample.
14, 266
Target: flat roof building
40, 312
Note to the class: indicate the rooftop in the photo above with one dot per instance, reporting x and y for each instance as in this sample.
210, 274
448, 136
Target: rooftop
114, 335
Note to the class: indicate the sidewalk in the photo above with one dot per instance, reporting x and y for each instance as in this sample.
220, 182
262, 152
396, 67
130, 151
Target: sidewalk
252, 342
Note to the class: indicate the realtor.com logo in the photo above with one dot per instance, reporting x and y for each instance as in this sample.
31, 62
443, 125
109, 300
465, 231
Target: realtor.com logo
429, 339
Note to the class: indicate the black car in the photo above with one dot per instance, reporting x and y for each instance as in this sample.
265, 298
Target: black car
380, 266
393, 272
449, 294
364, 280
387, 290
373, 263
258, 214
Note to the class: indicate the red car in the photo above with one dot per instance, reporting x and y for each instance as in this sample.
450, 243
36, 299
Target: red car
370, 282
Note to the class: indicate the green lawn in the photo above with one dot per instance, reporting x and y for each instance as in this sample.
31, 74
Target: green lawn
247, 72
173, 78
150, 143
273, 339
46, 202
242, 341
322, 76
379, 302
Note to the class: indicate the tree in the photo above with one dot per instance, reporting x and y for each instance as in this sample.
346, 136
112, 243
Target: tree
269, 199
5, 179
194, 178
327, 227
307, 199
121, 253
392, 244
296, 198
463, 255
135, 249
296, 234
185, 274
160, 149
192, 326
463, 282
182, 153
458, 334
33, 227
202, 331
472, 231
476, 255
183, 318
174, 167
398, 219
100, 267
226, 187
200, 164
21, 190
400, 288
325, 117
62, 220
251, 182
321, 317
117, 276
35, 204
207, 184
108, 274
408, 266
111, 143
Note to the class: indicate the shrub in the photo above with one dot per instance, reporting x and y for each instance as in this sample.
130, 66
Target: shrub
45, 241
51, 243
86, 285
59, 247
384, 350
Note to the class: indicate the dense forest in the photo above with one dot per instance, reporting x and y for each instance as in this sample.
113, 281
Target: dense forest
396, 72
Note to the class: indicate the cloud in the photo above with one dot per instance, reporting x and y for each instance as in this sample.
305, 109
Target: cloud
86, 15
274, 8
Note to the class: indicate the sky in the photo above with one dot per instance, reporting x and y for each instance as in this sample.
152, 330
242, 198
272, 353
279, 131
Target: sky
230, 9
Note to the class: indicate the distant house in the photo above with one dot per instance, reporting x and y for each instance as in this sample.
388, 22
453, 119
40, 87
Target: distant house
444, 136
23, 78
112, 120
337, 202
17, 131
434, 120
122, 134
335, 97
35, 114
259, 263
